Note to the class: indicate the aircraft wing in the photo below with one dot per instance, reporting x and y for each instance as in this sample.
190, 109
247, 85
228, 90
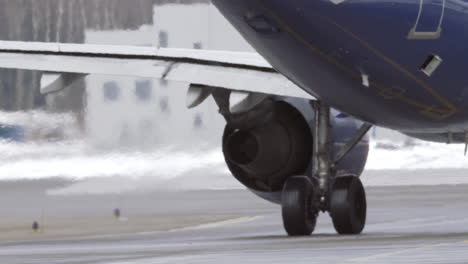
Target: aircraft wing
62, 64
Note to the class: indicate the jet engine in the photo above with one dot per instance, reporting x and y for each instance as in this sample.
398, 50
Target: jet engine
274, 141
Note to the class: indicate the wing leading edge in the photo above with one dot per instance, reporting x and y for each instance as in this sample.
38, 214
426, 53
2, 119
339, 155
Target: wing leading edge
64, 63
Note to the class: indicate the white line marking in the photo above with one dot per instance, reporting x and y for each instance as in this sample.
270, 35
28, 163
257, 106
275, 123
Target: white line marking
399, 252
219, 223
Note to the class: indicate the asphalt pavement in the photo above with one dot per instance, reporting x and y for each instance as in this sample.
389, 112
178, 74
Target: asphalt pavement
412, 224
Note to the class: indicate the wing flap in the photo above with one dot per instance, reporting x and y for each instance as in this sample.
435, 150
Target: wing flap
236, 79
53, 82
238, 71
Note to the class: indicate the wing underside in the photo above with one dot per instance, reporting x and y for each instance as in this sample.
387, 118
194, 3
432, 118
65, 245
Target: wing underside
61, 64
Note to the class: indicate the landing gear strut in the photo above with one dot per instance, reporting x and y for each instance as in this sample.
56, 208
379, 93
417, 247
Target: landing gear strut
342, 196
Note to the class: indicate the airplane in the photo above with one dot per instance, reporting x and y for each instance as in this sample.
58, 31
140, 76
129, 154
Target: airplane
298, 110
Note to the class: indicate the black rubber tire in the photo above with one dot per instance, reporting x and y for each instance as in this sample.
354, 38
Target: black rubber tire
299, 218
348, 206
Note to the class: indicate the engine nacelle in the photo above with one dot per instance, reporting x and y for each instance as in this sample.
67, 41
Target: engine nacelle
275, 142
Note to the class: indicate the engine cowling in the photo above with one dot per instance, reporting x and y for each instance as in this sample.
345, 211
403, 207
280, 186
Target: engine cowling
263, 156
279, 145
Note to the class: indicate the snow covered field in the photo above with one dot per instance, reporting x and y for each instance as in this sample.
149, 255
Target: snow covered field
108, 171
423, 155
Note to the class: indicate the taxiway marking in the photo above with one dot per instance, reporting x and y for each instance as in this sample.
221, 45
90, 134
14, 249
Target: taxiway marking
219, 223
399, 252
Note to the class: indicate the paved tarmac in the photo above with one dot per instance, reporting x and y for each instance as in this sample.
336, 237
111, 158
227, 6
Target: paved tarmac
420, 224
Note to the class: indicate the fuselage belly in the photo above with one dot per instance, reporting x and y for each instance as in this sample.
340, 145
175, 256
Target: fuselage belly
365, 57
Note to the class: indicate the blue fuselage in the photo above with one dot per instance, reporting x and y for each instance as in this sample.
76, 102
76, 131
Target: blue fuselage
364, 57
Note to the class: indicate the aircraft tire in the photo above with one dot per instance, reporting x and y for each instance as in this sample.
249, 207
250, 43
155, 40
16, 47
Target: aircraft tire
299, 218
348, 206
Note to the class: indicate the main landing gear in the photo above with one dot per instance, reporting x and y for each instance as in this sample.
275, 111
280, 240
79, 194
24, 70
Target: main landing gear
342, 196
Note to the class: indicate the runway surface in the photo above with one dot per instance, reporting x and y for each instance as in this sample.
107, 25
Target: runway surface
405, 225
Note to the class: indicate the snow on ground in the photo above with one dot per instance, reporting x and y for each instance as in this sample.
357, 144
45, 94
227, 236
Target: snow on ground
421, 155
109, 171
77, 160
